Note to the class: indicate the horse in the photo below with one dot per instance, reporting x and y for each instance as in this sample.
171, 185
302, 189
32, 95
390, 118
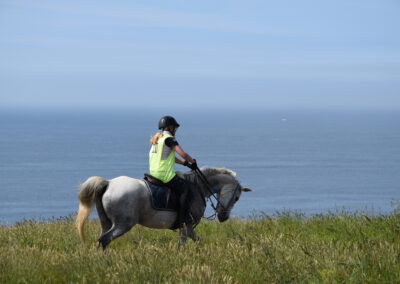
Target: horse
124, 202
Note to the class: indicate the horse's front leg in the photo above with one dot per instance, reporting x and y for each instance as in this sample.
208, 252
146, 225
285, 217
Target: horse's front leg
191, 233
183, 234
187, 231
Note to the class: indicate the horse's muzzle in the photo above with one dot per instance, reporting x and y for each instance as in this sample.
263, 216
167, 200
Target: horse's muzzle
223, 216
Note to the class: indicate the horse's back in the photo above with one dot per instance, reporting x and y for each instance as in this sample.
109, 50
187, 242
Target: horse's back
125, 193
126, 184
128, 198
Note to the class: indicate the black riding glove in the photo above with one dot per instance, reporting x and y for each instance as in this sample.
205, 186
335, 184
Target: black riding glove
193, 166
186, 164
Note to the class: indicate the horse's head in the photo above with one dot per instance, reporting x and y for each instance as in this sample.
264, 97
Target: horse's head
229, 191
228, 196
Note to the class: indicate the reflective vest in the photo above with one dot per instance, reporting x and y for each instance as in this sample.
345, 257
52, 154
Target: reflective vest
162, 167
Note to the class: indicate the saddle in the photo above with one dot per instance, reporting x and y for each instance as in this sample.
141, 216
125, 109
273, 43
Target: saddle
161, 196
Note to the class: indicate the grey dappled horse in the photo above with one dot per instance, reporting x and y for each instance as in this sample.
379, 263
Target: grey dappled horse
123, 202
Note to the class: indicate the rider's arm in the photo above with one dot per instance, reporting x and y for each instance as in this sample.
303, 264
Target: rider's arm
183, 154
179, 161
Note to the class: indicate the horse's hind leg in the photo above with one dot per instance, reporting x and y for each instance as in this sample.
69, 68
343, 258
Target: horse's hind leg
116, 231
104, 220
105, 227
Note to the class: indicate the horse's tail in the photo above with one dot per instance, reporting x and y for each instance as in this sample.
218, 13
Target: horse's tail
92, 188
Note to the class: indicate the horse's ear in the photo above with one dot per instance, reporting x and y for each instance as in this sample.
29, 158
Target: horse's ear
246, 189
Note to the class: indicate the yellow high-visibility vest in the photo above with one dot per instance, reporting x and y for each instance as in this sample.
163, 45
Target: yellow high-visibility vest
160, 168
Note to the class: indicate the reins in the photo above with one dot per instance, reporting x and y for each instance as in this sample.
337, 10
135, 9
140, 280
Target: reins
208, 186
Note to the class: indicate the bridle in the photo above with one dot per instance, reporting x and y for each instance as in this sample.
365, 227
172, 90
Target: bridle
232, 199
211, 191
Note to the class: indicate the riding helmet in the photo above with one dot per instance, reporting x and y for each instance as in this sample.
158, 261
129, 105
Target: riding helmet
166, 121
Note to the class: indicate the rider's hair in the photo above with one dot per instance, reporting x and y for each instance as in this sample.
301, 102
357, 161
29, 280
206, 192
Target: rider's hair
154, 139
158, 135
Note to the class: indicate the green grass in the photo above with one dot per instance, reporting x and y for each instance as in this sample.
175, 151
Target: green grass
287, 248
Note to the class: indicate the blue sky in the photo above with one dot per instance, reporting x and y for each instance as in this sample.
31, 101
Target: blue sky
200, 54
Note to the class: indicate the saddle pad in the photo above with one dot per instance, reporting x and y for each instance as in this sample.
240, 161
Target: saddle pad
161, 197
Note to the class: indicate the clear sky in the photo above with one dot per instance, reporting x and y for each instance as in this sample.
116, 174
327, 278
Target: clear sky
198, 54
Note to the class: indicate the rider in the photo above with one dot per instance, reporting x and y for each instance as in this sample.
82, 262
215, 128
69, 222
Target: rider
162, 160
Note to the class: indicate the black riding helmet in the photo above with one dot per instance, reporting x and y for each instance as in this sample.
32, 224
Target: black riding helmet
166, 121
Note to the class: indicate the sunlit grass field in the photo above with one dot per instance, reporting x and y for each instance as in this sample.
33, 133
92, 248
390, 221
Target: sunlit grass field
286, 248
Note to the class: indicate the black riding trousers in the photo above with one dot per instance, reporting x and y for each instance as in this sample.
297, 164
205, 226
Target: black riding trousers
182, 187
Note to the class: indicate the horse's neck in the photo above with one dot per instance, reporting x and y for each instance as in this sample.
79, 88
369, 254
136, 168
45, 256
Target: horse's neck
199, 196
196, 179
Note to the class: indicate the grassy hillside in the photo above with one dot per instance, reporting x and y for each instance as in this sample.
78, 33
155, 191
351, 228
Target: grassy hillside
283, 249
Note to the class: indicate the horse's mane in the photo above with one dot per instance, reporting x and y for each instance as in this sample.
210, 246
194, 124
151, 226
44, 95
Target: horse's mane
216, 171
209, 172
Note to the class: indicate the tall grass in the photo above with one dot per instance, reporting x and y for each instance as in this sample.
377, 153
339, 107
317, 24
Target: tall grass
287, 248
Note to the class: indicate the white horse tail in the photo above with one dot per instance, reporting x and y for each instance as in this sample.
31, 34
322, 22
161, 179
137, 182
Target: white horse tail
92, 188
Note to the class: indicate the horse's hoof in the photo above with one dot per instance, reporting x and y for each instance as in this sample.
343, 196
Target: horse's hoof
194, 237
182, 241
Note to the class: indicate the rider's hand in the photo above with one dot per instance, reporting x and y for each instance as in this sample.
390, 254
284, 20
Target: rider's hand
193, 166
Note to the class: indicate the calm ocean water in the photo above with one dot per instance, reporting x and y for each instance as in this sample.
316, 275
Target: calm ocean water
307, 161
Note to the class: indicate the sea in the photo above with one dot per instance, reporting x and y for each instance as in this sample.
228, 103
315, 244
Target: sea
295, 161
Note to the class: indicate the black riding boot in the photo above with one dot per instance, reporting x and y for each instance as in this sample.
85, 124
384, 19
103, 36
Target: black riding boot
178, 184
184, 214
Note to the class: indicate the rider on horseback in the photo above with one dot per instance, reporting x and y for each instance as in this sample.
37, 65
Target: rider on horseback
162, 160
